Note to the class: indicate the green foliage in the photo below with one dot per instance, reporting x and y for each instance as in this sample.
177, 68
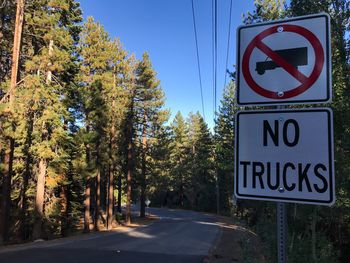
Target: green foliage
266, 10
224, 143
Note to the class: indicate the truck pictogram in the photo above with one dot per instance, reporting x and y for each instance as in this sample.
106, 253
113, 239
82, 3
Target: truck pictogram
294, 56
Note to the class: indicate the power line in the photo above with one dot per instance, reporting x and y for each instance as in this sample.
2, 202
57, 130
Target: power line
212, 51
228, 42
199, 68
215, 53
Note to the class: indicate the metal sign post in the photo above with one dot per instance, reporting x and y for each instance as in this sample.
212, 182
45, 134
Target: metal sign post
282, 230
282, 227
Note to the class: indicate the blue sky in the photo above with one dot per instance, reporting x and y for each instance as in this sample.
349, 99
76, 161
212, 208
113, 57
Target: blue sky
164, 28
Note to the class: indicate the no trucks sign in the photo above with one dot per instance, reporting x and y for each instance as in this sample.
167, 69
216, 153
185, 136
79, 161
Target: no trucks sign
285, 155
284, 62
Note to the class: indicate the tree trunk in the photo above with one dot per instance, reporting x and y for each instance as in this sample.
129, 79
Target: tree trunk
64, 210
16, 50
129, 168
181, 195
26, 176
39, 200
87, 205
143, 172
6, 193
87, 201
217, 192
110, 204
119, 193
128, 182
111, 170
98, 200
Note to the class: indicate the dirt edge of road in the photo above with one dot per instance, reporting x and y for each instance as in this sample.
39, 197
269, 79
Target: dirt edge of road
235, 244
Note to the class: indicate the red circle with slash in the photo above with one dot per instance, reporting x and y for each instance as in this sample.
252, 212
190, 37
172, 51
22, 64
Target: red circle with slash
306, 82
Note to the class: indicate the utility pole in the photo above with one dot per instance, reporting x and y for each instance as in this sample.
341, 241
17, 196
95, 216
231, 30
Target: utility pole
6, 191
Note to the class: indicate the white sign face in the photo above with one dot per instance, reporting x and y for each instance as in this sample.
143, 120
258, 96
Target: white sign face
285, 155
284, 62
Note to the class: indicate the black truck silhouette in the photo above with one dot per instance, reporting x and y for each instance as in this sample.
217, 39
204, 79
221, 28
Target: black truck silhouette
294, 56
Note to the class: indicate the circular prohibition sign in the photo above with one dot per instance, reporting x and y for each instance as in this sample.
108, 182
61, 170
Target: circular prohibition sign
306, 82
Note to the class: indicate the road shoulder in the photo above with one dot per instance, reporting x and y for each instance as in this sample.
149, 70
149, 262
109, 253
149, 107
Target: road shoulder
235, 244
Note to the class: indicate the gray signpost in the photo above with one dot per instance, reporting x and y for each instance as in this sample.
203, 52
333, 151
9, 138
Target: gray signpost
285, 155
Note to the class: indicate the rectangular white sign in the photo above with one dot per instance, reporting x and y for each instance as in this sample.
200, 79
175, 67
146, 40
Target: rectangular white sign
284, 62
285, 155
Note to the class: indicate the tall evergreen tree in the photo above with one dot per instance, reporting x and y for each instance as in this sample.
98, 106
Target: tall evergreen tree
100, 90
224, 141
148, 101
179, 156
339, 11
202, 194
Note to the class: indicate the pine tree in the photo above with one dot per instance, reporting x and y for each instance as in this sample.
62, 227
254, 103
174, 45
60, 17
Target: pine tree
43, 94
224, 140
202, 194
266, 10
179, 156
159, 166
100, 57
9, 154
130, 132
339, 12
149, 100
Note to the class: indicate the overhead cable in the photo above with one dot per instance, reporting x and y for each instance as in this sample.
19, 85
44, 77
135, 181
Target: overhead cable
228, 42
215, 54
198, 61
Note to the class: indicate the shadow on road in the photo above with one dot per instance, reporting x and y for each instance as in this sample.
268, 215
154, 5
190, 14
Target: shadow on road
82, 255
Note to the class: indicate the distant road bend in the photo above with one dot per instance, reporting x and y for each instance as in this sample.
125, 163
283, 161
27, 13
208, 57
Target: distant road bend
179, 236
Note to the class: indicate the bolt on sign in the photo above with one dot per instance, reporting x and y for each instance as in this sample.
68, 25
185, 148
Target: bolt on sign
284, 62
285, 155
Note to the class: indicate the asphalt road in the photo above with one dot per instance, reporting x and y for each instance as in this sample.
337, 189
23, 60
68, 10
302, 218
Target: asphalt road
179, 236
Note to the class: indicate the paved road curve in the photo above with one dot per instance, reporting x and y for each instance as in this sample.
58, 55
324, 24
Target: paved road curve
179, 236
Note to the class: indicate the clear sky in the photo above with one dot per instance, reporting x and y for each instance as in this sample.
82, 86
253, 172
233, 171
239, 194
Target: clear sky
164, 28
